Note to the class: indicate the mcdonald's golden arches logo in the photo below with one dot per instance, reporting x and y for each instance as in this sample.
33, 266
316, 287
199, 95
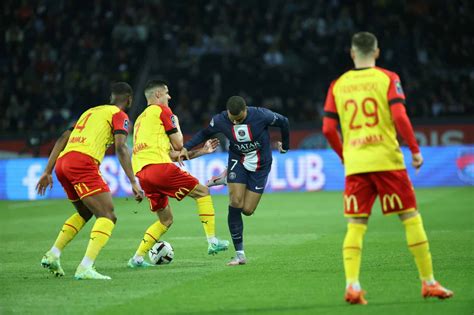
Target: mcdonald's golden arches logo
350, 203
79, 188
391, 199
181, 193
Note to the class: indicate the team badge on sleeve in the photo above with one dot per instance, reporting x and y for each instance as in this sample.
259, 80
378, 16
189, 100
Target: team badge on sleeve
173, 121
125, 124
398, 87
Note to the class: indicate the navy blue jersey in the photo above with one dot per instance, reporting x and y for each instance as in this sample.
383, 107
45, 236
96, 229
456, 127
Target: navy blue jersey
249, 140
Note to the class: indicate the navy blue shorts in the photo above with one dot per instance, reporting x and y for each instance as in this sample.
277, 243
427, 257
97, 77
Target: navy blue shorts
255, 181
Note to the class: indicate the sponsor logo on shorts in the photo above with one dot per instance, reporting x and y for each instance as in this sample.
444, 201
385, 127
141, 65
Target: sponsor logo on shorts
181, 193
258, 188
350, 203
81, 188
391, 199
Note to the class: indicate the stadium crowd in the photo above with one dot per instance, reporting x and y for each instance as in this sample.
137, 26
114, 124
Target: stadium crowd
58, 57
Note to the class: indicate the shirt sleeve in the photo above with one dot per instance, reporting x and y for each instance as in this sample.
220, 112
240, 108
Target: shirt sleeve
330, 109
120, 123
203, 134
169, 120
277, 120
404, 127
395, 94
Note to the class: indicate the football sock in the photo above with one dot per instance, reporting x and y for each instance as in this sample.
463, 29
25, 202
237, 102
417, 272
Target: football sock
236, 227
100, 235
352, 251
151, 236
207, 217
419, 247
71, 227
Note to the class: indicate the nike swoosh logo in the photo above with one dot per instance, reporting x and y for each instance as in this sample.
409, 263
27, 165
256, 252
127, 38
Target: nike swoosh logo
256, 187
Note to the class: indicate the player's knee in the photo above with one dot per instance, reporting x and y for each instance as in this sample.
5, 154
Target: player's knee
237, 203
248, 211
199, 192
167, 222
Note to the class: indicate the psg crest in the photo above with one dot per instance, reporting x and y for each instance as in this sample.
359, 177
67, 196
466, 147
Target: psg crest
465, 165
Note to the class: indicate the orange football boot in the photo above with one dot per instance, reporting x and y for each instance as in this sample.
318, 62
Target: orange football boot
435, 290
355, 297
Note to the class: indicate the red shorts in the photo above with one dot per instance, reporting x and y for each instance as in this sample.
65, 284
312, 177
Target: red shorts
79, 175
394, 189
160, 181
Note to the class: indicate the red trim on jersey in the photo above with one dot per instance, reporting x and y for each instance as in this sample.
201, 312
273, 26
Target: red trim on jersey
258, 161
166, 117
330, 103
331, 133
250, 133
120, 122
233, 132
395, 91
404, 127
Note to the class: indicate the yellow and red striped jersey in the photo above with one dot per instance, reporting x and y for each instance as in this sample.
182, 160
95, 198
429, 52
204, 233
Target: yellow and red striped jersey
151, 144
94, 131
361, 100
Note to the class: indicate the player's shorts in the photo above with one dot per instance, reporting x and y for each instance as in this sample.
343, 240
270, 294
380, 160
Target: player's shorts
160, 181
394, 189
79, 175
255, 181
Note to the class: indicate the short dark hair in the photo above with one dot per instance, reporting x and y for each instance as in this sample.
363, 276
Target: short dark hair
236, 104
121, 88
151, 84
364, 42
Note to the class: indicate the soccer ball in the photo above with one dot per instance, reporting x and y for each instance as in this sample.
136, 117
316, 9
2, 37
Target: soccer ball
161, 253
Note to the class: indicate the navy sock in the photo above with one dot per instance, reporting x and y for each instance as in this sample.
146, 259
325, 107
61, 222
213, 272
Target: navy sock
236, 227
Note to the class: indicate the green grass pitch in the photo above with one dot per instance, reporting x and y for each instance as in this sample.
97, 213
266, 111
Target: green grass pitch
293, 243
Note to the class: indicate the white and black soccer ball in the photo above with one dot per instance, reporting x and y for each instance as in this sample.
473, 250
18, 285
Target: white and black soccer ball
161, 253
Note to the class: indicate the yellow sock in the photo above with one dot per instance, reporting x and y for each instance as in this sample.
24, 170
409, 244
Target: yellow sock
152, 235
100, 234
419, 247
206, 215
71, 227
352, 251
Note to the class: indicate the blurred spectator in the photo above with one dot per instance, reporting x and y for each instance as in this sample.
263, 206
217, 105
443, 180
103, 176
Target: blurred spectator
60, 56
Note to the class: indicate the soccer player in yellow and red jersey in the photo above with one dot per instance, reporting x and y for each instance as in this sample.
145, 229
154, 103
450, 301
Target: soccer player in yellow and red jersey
157, 143
369, 104
77, 155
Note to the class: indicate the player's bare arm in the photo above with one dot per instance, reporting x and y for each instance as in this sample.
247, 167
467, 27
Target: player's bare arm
46, 179
123, 154
210, 146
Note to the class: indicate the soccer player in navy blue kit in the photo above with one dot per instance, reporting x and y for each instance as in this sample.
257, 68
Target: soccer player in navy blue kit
250, 159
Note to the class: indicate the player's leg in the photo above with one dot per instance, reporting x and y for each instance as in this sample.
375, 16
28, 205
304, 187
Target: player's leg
160, 205
200, 194
256, 183
235, 222
70, 228
398, 197
419, 247
102, 207
359, 196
